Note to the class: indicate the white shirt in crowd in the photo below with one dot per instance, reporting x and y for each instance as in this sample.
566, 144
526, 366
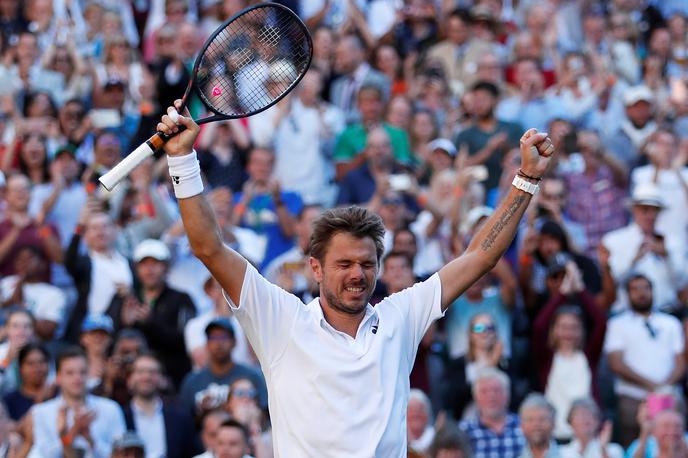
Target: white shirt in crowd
319, 378
649, 347
674, 218
666, 274
151, 429
43, 300
593, 450
569, 379
194, 337
107, 273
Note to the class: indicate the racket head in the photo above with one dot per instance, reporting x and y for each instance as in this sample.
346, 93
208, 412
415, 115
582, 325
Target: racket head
252, 61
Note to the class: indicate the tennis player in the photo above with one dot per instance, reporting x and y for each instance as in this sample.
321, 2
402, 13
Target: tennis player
337, 369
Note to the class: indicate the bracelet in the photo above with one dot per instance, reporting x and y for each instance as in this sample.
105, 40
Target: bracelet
67, 440
520, 173
525, 186
186, 175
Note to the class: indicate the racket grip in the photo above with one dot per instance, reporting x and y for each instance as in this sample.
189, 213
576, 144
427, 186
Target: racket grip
126, 165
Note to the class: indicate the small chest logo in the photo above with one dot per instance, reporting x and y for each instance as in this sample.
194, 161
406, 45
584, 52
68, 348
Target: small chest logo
176, 180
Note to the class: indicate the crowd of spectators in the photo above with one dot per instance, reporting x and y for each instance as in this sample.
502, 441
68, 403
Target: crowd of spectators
115, 340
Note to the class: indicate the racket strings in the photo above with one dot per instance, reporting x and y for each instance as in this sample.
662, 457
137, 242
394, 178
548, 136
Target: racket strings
253, 61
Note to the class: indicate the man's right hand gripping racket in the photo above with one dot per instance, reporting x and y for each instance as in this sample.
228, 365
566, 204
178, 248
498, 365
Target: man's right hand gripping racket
246, 66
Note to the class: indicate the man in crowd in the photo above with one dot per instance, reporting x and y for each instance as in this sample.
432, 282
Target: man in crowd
537, 424
232, 440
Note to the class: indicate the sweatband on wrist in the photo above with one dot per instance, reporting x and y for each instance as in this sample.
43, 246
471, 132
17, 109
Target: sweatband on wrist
186, 175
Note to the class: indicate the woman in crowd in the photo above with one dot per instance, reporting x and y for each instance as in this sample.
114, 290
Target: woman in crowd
589, 441
34, 368
20, 331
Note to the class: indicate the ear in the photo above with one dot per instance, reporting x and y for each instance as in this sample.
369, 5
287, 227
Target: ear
316, 267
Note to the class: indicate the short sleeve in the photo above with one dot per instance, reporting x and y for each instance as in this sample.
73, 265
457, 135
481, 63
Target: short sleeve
266, 313
419, 306
614, 340
678, 343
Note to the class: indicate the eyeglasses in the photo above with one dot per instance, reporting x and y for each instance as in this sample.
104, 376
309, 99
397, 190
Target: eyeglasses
245, 393
480, 328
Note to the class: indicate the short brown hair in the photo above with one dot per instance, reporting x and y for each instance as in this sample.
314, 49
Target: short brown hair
355, 221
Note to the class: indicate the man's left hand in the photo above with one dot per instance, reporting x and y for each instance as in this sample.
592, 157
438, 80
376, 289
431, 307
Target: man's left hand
536, 152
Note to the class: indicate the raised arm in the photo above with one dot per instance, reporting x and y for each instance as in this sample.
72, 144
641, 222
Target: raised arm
205, 237
492, 240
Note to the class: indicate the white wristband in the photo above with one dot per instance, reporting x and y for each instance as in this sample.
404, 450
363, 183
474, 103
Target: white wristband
186, 175
524, 185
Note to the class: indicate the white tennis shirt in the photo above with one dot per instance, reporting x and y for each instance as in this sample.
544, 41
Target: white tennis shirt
331, 395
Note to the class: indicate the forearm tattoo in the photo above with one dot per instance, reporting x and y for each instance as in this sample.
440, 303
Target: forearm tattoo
489, 241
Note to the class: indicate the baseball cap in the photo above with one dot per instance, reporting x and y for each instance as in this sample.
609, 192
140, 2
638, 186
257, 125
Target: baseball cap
476, 214
647, 194
222, 323
444, 144
66, 148
128, 440
151, 248
97, 322
557, 264
637, 94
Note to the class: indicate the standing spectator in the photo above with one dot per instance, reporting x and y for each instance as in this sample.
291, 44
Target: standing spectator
18, 229
487, 138
208, 388
349, 151
495, 431
589, 440
225, 147
165, 429
34, 363
155, 309
75, 420
645, 351
242, 405
129, 343
355, 73
264, 207
626, 142
641, 247
537, 423
99, 273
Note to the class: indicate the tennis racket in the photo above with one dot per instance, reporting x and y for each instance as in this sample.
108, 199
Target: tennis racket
248, 64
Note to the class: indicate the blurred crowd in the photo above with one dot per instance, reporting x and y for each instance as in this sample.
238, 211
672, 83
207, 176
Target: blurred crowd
116, 341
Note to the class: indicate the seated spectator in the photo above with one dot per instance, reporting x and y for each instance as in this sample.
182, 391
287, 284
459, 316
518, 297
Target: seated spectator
242, 405
165, 429
485, 350
662, 434
208, 388
589, 441
155, 309
100, 272
210, 423
353, 140
27, 289
568, 334
34, 388
128, 445
449, 442
264, 207
232, 440
537, 423
75, 421
495, 431
419, 419
96, 338
641, 247
645, 352
19, 330
18, 229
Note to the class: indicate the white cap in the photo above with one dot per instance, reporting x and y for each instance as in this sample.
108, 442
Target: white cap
636, 94
443, 144
647, 194
151, 248
476, 214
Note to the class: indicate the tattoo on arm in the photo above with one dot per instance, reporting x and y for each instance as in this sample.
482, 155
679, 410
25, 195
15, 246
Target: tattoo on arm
504, 219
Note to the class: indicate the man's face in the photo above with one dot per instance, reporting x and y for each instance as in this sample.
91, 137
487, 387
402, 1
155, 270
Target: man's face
230, 443
553, 192
68, 165
645, 216
483, 104
347, 56
639, 113
18, 193
220, 344
347, 273
584, 422
404, 242
151, 272
549, 245
29, 264
378, 148
107, 150
211, 425
457, 30
491, 398
640, 295
397, 273
145, 378
97, 341
668, 430
370, 106
71, 378
260, 165
537, 425
99, 233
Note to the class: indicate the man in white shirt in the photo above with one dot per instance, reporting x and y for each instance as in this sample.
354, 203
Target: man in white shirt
75, 420
338, 356
641, 247
645, 351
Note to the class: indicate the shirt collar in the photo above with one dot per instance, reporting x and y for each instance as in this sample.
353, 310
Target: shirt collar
137, 411
315, 306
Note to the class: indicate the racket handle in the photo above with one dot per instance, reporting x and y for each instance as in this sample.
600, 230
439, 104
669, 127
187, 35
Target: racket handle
129, 163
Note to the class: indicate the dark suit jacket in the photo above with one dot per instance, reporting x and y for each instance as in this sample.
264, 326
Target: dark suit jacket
180, 434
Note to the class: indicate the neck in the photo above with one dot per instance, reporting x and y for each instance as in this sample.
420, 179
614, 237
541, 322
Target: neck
486, 123
220, 367
643, 313
31, 390
494, 423
74, 401
146, 404
36, 174
584, 441
539, 450
152, 292
221, 308
342, 322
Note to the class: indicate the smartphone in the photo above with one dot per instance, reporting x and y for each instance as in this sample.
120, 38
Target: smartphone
102, 118
478, 172
657, 403
400, 182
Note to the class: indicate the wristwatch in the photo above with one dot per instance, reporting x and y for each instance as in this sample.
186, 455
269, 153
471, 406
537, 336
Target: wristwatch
525, 185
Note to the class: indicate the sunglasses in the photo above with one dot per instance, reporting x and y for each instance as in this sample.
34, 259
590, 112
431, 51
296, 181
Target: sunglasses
245, 393
480, 328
